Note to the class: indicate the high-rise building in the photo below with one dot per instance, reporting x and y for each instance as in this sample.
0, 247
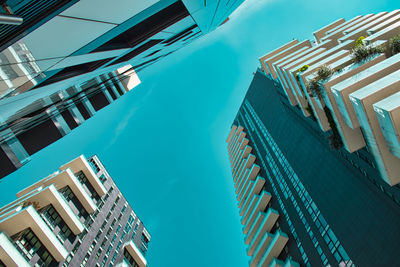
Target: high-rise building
305, 148
59, 67
74, 217
30, 129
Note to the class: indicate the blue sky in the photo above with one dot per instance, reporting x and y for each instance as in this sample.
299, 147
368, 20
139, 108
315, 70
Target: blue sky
164, 142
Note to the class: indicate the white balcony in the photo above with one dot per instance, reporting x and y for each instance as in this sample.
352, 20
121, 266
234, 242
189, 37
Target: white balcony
322, 32
42, 197
353, 139
289, 51
249, 173
383, 20
81, 164
245, 164
253, 205
386, 23
261, 205
61, 180
233, 129
9, 255
342, 90
336, 34
21, 219
263, 224
135, 253
243, 155
235, 135
275, 248
388, 113
362, 101
251, 187
384, 34
273, 53
260, 249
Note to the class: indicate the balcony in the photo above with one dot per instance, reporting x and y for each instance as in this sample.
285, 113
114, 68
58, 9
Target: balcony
385, 24
342, 26
233, 130
234, 137
260, 249
251, 209
384, 34
334, 35
20, 219
60, 181
263, 224
247, 161
243, 154
342, 90
362, 101
287, 263
249, 173
81, 164
321, 32
353, 139
268, 62
384, 21
134, 252
243, 143
275, 248
252, 186
9, 255
262, 60
388, 111
43, 197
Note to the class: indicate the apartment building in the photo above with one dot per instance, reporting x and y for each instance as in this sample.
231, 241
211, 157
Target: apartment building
76, 216
339, 100
313, 149
301, 202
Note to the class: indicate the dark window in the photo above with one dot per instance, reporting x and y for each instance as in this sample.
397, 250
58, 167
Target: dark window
69, 119
54, 220
82, 109
147, 28
129, 259
138, 51
67, 193
180, 35
28, 243
75, 70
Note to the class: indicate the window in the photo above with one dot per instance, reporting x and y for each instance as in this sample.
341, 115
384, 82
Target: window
28, 243
70, 197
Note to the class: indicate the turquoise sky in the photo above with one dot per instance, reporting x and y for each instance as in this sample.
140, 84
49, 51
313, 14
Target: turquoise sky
164, 142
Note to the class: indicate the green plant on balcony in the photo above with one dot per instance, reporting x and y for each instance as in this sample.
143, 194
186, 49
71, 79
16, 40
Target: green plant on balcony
359, 42
363, 53
394, 44
322, 74
304, 68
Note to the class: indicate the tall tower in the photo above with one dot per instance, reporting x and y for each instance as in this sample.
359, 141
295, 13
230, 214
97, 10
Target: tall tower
313, 149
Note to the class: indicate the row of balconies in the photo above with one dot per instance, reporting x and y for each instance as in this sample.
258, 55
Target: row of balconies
258, 218
358, 100
34, 227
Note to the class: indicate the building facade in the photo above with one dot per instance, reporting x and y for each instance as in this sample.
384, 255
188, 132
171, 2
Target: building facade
30, 129
74, 217
64, 65
305, 198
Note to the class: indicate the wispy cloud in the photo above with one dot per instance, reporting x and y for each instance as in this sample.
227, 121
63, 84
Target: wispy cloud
124, 122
